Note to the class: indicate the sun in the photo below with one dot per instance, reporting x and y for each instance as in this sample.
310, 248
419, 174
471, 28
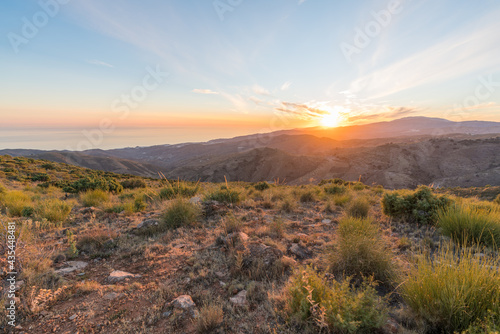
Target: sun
330, 120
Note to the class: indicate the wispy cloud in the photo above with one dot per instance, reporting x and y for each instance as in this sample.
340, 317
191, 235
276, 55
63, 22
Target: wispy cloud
204, 91
259, 90
386, 113
306, 111
285, 86
467, 51
99, 63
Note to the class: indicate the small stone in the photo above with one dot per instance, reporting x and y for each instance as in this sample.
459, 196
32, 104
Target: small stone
185, 302
326, 221
112, 295
195, 200
288, 262
118, 276
73, 317
240, 299
72, 266
166, 314
299, 251
147, 223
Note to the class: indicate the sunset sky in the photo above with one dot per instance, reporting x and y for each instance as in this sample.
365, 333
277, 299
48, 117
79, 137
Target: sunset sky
128, 73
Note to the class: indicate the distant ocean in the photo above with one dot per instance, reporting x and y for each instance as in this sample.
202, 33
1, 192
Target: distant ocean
76, 139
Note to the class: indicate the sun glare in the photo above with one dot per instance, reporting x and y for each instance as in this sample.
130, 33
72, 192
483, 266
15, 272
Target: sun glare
330, 120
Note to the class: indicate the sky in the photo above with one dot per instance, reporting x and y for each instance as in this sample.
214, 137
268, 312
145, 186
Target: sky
82, 74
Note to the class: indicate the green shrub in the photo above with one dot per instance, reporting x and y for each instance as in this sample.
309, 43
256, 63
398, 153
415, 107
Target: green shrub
497, 199
341, 200
358, 186
231, 224
453, 290
224, 195
15, 201
48, 166
420, 206
93, 183
180, 189
180, 213
54, 210
72, 250
334, 190
140, 204
307, 196
336, 181
28, 211
360, 250
469, 225
288, 205
133, 184
40, 177
95, 197
335, 306
358, 208
262, 186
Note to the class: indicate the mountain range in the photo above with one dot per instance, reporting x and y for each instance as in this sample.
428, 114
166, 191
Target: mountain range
396, 154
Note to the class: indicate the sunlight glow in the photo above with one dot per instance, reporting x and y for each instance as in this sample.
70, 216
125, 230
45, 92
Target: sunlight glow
332, 119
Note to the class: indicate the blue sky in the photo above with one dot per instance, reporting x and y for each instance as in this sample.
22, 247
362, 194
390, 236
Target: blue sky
237, 67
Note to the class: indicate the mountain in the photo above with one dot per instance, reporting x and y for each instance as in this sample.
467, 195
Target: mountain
397, 154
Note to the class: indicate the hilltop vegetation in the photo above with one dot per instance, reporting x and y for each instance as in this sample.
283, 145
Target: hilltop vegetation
112, 253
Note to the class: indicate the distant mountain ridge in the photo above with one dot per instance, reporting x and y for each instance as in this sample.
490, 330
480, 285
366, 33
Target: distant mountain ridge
400, 153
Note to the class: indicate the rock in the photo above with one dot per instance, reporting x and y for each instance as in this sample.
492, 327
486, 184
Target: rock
112, 295
288, 262
326, 221
72, 266
19, 284
260, 252
118, 276
166, 314
391, 327
302, 235
73, 317
147, 223
299, 251
60, 258
185, 303
240, 299
195, 200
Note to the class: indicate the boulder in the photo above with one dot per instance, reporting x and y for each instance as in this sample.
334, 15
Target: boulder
240, 299
186, 304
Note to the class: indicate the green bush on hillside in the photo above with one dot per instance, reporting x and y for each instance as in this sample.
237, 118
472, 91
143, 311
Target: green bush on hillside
453, 290
333, 306
262, 186
420, 206
93, 183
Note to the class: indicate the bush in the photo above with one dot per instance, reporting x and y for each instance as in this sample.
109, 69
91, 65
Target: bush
469, 225
93, 183
262, 186
180, 189
210, 317
15, 201
358, 208
341, 200
453, 290
360, 250
336, 181
334, 190
309, 299
307, 196
497, 199
288, 205
180, 213
3, 189
54, 210
41, 177
133, 184
421, 206
95, 197
231, 224
97, 243
225, 195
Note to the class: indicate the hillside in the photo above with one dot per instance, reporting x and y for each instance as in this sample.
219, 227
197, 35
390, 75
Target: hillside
158, 256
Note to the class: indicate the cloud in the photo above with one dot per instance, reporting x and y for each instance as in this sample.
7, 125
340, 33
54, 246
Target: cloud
301, 2
388, 113
308, 110
99, 63
467, 51
260, 90
285, 86
204, 91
